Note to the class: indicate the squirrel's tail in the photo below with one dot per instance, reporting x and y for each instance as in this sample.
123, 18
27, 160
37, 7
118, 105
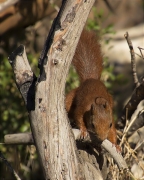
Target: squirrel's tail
88, 58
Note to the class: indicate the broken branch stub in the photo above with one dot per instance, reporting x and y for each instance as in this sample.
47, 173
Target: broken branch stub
24, 77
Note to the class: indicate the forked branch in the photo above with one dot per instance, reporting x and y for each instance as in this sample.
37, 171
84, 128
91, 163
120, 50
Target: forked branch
138, 93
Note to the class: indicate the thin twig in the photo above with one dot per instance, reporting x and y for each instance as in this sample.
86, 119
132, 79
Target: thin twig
138, 55
140, 132
134, 178
140, 49
125, 128
9, 166
133, 64
109, 6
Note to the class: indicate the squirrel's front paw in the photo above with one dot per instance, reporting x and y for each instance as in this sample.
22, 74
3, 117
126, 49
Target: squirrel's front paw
118, 148
84, 134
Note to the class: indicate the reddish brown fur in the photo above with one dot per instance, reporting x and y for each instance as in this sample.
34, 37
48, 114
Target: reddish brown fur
88, 59
90, 105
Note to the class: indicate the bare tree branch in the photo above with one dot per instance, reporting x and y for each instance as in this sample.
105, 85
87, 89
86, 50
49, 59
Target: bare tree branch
7, 4
136, 98
26, 138
9, 166
109, 6
138, 93
24, 77
140, 132
140, 49
133, 63
19, 138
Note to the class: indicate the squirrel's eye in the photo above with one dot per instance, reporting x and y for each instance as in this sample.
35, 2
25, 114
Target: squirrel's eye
93, 126
110, 125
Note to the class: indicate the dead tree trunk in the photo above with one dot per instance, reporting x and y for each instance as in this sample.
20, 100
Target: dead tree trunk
60, 156
44, 96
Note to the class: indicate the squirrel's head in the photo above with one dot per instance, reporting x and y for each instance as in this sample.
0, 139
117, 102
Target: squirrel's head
100, 118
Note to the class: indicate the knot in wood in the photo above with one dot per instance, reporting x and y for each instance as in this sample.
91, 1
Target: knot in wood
55, 61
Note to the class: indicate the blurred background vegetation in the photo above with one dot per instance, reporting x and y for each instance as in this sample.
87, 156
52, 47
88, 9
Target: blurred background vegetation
28, 23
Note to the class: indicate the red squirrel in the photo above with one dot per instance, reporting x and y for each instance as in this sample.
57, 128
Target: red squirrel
90, 105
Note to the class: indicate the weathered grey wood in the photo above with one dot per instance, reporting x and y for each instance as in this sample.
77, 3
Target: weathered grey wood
19, 138
50, 127
116, 155
24, 76
26, 138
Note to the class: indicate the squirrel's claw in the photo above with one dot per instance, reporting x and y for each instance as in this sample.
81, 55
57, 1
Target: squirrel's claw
118, 148
84, 134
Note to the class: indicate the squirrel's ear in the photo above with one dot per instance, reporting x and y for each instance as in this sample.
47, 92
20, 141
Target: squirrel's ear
102, 102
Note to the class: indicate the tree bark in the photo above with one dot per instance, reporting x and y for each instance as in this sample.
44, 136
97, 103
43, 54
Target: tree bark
23, 13
44, 98
26, 138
